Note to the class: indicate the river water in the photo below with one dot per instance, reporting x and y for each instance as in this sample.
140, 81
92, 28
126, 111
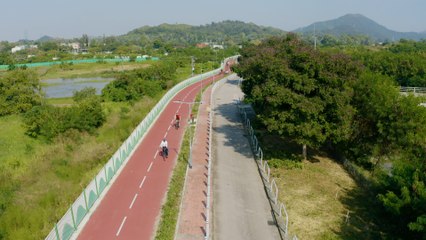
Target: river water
61, 87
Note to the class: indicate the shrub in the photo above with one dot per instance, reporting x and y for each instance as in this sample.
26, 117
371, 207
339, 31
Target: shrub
285, 163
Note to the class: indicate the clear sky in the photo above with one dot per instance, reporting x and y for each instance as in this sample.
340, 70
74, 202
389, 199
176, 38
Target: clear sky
71, 18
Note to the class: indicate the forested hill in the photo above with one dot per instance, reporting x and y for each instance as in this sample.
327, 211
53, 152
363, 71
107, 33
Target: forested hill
221, 32
357, 24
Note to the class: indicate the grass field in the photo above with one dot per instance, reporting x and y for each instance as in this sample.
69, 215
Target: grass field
322, 199
16, 147
60, 101
87, 69
104, 69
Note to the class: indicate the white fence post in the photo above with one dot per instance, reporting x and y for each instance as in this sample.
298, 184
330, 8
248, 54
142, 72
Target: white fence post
273, 183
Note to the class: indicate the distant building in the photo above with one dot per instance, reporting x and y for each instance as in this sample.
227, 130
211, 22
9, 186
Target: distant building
75, 46
202, 45
18, 48
23, 47
217, 46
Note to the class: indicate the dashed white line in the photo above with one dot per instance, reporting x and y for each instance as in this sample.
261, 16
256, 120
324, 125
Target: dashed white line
121, 226
134, 199
143, 180
150, 165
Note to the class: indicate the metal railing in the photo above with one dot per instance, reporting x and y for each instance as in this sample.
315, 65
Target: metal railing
81, 208
414, 90
269, 183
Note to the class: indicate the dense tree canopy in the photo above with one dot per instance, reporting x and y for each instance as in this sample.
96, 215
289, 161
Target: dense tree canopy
133, 85
299, 92
405, 62
19, 91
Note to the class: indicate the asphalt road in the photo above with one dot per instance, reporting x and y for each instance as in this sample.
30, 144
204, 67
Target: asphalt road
240, 206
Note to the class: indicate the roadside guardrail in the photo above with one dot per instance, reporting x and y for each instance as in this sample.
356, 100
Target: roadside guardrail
278, 208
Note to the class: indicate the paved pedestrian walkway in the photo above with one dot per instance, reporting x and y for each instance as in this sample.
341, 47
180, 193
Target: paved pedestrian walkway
240, 208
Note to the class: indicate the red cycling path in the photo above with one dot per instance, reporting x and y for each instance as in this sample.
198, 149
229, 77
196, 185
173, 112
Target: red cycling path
132, 205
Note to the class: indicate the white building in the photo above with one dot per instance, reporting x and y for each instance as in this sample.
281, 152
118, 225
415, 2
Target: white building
75, 46
217, 46
22, 47
18, 48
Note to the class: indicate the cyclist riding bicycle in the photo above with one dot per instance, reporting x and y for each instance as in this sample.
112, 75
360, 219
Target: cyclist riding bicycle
164, 148
177, 121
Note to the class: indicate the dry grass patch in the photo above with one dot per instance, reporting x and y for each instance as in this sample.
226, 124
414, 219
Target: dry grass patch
312, 195
324, 202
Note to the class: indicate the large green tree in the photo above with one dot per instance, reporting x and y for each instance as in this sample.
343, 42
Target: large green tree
386, 121
404, 196
19, 91
390, 129
299, 92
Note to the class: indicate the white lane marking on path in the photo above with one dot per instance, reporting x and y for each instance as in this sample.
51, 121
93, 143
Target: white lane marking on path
143, 180
134, 199
121, 226
150, 165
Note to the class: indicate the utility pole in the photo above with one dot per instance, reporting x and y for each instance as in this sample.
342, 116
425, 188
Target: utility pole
201, 90
192, 66
315, 38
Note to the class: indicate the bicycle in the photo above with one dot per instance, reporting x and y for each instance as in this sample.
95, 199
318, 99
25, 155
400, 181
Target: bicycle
165, 152
177, 121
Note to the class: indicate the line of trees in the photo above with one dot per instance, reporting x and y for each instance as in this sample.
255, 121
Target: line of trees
133, 85
405, 62
324, 99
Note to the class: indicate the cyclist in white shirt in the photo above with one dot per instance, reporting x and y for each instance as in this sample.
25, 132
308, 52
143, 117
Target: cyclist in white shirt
164, 148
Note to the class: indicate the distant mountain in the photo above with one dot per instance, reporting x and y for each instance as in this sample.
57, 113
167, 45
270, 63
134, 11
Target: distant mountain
357, 24
235, 31
45, 38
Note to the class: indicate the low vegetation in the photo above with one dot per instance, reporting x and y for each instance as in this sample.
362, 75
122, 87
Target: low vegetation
323, 200
19, 92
